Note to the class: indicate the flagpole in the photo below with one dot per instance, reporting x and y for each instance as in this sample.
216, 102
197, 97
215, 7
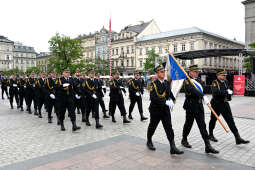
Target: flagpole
110, 45
209, 106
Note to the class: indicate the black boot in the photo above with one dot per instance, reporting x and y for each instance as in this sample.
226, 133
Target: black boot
125, 119
113, 119
83, 117
150, 145
11, 106
78, 111
142, 117
240, 140
185, 143
209, 148
36, 113
98, 125
174, 150
105, 115
75, 127
87, 122
212, 138
58, 122
40, 114
21, 109
130, 116
62, 126
93, 114
29, 111
49, 119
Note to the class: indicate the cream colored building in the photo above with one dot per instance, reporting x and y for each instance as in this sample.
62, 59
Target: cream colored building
188, 39
6, 54
23, 56
89, 45
42, 61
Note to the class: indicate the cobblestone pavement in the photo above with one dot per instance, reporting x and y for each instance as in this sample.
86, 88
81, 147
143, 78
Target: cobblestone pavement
25, 136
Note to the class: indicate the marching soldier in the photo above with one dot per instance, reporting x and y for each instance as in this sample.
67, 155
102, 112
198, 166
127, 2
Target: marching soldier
65, 100
22, 86
221, 95
91, 89
13, 90
116, 97
101, 92
83, 98
40, 93
50, 95
195, 111
77, 90
4, 84
162, 100
135, 94
30, 93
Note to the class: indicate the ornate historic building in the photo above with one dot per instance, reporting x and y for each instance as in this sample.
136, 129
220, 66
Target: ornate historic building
42, 61
6, 53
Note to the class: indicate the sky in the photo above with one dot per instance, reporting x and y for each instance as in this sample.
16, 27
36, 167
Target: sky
34, 22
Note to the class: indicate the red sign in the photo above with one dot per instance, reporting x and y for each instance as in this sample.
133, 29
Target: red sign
239, 85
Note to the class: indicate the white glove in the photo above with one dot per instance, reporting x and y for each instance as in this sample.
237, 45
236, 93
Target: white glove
14, 85
66, 84
94, 96
229, 91
77, 96
104, 87
137, 94
170, 103
206, 100
25, 86
121, 87
52, 96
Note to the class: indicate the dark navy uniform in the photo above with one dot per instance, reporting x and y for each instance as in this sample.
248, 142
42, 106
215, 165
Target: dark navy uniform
77, 90
220, 104
30, 94
40, 94
13, 91
50, 96
4, 85
101, 92
21, 85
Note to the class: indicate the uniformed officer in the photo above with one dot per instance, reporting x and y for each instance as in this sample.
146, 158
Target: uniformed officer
65, 99
4, 85
30, 93
221, 95
13, 90
50, 90
136, 90
83, 97
194, 110
21, 86
40, 93
77, 90
91, 89
101, 92
116, 97
162, 100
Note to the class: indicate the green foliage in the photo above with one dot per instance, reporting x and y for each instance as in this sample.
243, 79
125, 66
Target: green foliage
36, 70
151, 60
67, 53
101, 66
12, 71
248, 61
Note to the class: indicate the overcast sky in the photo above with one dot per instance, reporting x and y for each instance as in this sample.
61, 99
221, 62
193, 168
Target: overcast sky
34, 22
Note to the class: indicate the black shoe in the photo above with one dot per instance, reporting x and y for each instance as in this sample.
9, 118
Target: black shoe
49, 120
130, 117
62, 126
78, 112
35, 113
18, 107
212, 138
143, 118
21, 109
209, 148
113, 119
11, 106
40, 115
105, 115
125, 120
174, 149
75, 127
58, 122
83, 120
88, 123
185, 143
29, 111
150, 146
98, 125
3, 98
241, 141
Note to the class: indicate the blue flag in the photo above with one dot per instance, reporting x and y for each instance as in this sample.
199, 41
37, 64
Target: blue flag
174, 70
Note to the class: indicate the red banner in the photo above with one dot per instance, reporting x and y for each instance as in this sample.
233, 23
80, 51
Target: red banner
239, 85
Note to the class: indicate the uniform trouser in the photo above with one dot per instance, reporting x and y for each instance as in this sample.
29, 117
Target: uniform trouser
4, 89
224, 110
30, 99
120, 103
64, 103
101, 102
92, 106
138, 100
21, 98
163, 115
83, 105
199, 116
14, 93
40, 101
50, 104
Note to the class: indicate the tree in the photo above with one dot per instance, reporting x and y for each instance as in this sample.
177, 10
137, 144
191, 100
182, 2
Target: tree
151, 60
12, 71
248, 60
101, 66
36, 70
67, 53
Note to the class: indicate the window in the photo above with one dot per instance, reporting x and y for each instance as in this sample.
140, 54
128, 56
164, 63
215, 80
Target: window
210, 61
183, 47
127, 62
7, 57
141, 63
122, 50
122, 63
141, 51
127, 50
175, 47
27, 61
133, 50
205, 61
117, 51
22, 61
147, 49
192, 62
112, 51
132, 62
192, 46
160, 50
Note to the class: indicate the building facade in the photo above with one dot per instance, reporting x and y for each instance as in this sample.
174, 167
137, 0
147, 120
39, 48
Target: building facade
249, 22
188, 39
23, 56
102, 44
42, 61
6, 53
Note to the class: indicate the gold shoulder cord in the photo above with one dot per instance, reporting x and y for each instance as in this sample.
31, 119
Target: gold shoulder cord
133, 85
92, 89
163, 95
48, 84
113, 83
